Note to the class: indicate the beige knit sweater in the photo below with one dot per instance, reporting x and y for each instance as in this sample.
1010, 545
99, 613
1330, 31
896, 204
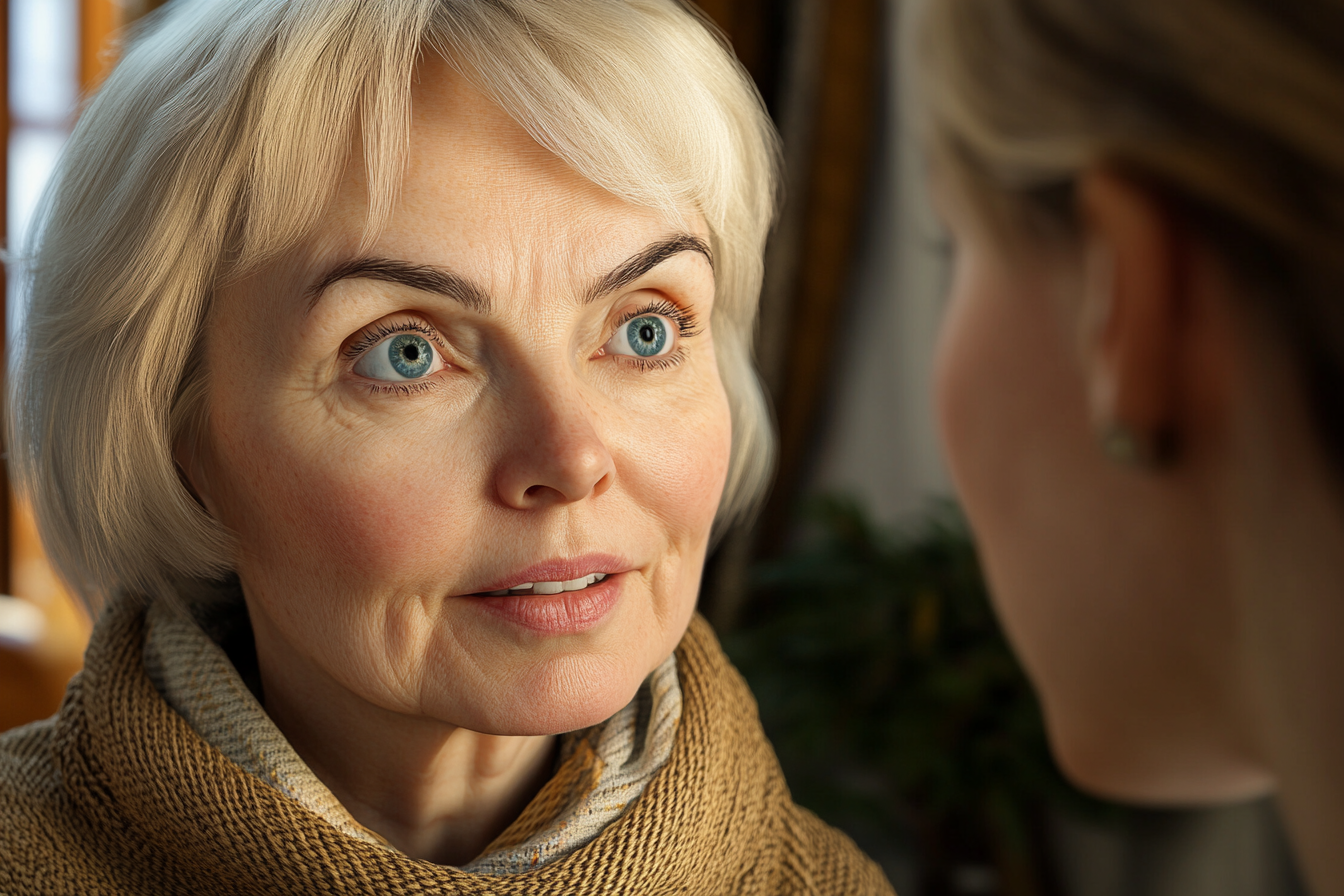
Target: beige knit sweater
117, 794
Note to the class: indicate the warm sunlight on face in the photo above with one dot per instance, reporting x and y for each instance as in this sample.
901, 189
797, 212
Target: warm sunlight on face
472, 470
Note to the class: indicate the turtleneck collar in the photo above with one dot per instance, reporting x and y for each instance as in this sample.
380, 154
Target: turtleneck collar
202, 664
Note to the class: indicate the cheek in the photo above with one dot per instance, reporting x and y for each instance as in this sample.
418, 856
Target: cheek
1006, 419
1009, 394
674, 476
693, 465
974, 387
348, 507
674, 465
693, 473
392, 505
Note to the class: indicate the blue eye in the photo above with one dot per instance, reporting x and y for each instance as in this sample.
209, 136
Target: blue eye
645, 336
405, 356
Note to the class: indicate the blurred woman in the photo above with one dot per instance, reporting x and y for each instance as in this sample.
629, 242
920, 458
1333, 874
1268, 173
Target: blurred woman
386, 371
1141, 380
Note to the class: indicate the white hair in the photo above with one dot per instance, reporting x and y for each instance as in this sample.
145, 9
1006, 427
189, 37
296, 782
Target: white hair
215, 146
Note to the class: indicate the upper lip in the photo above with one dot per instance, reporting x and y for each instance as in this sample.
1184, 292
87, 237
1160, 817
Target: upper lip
559, 569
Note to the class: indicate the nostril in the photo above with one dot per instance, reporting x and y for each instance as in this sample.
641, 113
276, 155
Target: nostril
602, 485
555, 471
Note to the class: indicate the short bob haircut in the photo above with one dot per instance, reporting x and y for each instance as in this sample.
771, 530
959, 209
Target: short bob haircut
215, 146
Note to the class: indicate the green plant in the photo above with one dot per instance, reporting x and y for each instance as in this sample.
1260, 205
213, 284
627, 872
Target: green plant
892, 697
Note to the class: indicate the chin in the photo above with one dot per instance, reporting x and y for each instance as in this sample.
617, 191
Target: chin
1128, 764
562, 694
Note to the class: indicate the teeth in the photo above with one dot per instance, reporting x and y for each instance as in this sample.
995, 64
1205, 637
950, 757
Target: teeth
552, 587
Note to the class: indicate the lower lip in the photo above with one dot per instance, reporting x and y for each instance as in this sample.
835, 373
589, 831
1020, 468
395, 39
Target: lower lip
566, 613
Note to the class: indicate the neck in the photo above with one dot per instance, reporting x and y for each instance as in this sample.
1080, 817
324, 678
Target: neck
434, 791
1288, 555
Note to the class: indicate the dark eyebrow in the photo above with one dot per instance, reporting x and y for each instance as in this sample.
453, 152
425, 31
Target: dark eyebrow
648, 259
424, 277
440, 281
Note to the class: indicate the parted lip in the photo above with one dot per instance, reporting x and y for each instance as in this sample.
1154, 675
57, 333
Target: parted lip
559, 569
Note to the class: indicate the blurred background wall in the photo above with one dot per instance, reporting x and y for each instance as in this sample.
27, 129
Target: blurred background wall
853, 604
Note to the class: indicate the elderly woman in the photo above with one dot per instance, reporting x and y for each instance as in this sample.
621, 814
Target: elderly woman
386, 370
1141, 381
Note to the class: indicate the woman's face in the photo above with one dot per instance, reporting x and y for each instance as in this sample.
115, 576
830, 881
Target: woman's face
1109, 579
515, 385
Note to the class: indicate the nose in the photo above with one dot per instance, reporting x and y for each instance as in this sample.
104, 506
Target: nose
553, 452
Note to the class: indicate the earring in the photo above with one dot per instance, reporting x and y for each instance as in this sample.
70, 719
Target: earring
1128, 448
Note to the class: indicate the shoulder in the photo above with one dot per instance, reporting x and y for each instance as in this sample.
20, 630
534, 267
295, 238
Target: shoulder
37, 840
820, 859
794, 851
49, 844
29, 782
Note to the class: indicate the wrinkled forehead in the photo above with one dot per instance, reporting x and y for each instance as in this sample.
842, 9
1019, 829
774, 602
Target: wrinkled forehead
478, 191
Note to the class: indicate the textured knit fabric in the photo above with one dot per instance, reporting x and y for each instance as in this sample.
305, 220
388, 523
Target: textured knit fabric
117, 794
602, 769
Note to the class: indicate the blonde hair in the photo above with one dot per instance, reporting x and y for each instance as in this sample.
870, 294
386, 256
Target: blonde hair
1232, 113
216, 144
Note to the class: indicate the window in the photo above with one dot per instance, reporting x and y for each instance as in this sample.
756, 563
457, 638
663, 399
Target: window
55, 51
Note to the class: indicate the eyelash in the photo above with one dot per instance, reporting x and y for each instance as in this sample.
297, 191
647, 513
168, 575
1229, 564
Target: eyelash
376, 334
687, 325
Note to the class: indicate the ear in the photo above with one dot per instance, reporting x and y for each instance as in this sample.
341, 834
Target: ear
1133, 296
